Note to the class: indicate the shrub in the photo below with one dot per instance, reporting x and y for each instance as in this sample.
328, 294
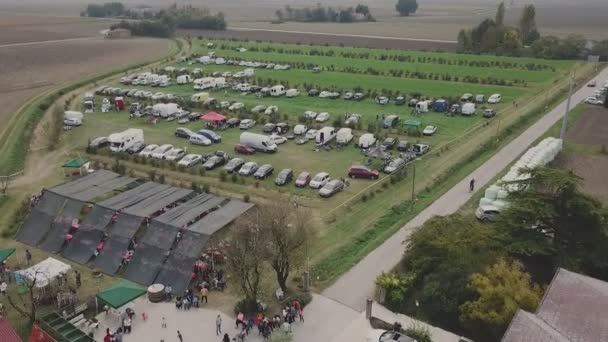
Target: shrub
223, 175
206, 188
17, 220
364, 198
161, 179
304, 298
234, 178
247, 307
246, 198
152, 175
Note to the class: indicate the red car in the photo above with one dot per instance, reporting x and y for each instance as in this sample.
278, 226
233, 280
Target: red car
242, 149
303, 180
359, 171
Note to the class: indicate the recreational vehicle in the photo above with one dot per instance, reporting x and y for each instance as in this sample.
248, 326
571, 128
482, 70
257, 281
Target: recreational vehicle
258, 142
120, 142
325, 135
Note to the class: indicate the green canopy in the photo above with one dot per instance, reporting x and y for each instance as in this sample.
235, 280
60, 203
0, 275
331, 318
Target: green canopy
120, 294
5, 253
411, 124
75, 163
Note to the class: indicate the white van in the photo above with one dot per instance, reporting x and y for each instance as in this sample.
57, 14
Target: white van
325, 135
277, 90
248, 72
344, 136
200, 97
367, 140
495, 98
183, 79
423, 106
468, 109
120, 142
258, 142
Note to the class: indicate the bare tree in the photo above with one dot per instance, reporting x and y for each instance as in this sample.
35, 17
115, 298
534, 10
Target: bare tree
287, 233
25, 309
5, 181
245, 254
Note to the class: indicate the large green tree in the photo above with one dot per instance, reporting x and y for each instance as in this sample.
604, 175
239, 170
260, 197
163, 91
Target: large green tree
406, 7
500, 290
550, 217
601, 49
527, 25
500, 15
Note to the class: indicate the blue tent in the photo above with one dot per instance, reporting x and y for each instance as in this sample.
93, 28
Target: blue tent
441, 106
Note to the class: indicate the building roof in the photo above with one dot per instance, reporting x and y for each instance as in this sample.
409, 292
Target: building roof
574, 308
7, 333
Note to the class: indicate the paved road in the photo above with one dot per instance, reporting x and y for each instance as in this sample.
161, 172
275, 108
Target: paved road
358, 283
345, 35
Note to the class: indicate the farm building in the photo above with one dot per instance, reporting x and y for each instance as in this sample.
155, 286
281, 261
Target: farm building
118, 34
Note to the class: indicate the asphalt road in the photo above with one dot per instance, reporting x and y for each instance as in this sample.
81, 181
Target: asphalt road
358, 283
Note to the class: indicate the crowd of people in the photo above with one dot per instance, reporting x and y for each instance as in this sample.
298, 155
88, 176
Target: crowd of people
266, 325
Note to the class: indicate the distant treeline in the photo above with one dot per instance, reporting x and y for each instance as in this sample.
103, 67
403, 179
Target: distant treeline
492, 36
164, 22
322, 14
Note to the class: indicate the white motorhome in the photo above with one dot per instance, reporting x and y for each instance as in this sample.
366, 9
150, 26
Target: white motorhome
204, 60
468, 109
220, 61
72, 118
200, 97
258, 142
220, 82
325, 135
183, 79
423, 106
120, 142
165, 110
204, 83
292, 92
277, 90
344, 136
367, 140
249, 72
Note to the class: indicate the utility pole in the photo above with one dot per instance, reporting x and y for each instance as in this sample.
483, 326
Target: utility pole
562, 134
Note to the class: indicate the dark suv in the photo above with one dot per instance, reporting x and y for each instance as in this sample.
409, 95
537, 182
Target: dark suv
359, 171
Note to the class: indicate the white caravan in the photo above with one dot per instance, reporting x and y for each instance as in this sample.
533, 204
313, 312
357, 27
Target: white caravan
325, 135
423, 106
120, 142
277, 90
183, 79
367, 140
200, 97
344, 136
165, 110
204, 83
468, 109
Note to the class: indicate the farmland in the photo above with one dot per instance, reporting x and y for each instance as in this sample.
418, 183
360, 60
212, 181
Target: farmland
351, 215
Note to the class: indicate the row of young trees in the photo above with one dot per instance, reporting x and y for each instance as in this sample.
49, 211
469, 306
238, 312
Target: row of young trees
322, 14
473, 277
106, 10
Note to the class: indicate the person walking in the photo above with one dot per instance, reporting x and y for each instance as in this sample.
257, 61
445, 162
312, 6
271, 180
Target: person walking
163, 323
78, 280
204, 294
218, 325
179, 336
226, 338
472, 185
28, 257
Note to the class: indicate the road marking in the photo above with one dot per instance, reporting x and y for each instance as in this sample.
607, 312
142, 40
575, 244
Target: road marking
46, 42
347, 35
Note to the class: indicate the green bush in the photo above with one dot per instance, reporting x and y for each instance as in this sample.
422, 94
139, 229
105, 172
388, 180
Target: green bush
303, 298
161, 179
223, 175
247, 307
234, 178
246, 198
206, 188
17, 220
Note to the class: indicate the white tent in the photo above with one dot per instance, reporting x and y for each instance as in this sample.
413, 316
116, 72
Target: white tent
45, 271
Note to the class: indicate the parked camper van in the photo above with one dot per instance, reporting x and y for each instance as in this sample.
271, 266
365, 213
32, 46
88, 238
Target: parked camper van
344, 136
277, 90
468, 109
200, 97
72, 118
120, 142
367, 140
183, 79
325, 135
258, 142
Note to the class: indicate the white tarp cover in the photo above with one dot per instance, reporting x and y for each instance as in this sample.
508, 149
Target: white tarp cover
45, 271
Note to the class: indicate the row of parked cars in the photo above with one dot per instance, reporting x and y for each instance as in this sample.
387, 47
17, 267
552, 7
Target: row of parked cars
134, 93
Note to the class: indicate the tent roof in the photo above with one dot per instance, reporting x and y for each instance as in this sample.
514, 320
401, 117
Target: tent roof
121, 294
412, 123
7, 333
45, 271
213, 116
75, 163
5, 253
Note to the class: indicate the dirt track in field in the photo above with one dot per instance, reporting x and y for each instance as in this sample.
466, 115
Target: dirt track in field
322, 39
593, 169
591, 128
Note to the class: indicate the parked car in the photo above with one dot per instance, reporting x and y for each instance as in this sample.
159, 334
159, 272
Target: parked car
199, 139
489, 113
487, 213
303, 179
494, 98
182, 132
175, 154
358, 96
277, 139
593, 100
466, 97
311, 134
147, 151
389, 143
282, 128
234, 165
309, 114
233, 122
420, 149
394, 165
360, 171
190, 160
403, 146
348, 95
592, 84
263, 171
246, 124
284, 177
248, 169
325, 94
382, 100
269, 127
242, 149
331, 188
213, 162
72, 122
429, 130
313, 92
99, 142
159, 152
236, 106
322, 117
399, 100
211, 135
300, 129
390, 121
353, 119
136, 148
258, 109
319, 180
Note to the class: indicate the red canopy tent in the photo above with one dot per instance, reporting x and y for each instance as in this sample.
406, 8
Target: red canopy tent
213, 117
7, 333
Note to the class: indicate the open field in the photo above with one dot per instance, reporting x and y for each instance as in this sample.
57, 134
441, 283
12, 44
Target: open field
591, 128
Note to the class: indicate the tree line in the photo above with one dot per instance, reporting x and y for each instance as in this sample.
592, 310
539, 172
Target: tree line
493, 36
322, 14
472, 277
